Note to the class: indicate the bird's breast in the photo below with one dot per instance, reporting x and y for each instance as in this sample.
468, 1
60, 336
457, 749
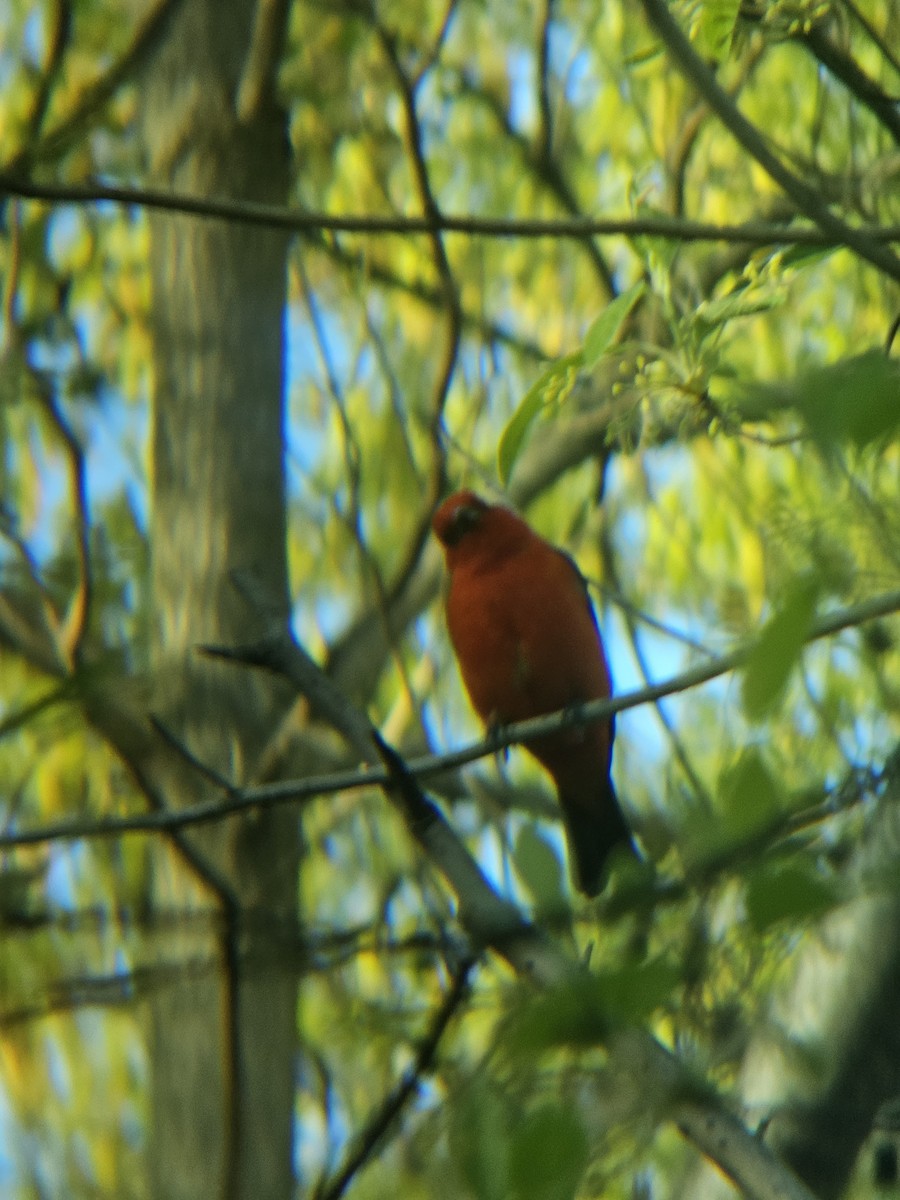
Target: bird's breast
524, 636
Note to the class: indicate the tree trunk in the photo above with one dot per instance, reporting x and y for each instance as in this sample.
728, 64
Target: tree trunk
223, 1033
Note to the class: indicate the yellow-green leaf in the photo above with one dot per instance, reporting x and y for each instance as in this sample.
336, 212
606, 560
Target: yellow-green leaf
606, 326
514, 435
778, 649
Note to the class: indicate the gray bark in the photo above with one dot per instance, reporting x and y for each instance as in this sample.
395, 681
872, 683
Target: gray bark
222, 1042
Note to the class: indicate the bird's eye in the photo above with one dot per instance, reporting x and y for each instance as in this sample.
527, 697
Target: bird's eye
464, 520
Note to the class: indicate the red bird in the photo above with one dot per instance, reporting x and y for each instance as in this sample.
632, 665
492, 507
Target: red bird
527, 642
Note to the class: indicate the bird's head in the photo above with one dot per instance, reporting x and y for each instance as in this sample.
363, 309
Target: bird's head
468, 527
459, 515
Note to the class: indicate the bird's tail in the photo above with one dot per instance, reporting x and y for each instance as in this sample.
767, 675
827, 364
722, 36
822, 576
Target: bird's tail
594, 827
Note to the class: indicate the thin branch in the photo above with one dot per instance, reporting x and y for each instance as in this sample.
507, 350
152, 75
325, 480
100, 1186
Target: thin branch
538, 158
611, 572
415, 138
746, 1160
393, 1104
35, 606
30, 630
150, 34
806, 198
384, 274
872, 33
426, 767
59, 39
545, 107
216, 778
76, 620
247, 212
108, 991
826, 51
14, 721
431, 58
12, 336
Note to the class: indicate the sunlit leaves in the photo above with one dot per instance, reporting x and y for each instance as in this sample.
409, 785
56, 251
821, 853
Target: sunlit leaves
714, 26
604, 329
550, 388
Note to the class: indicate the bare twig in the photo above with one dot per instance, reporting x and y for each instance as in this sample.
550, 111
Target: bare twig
611, 572
415, 140
874, 36
247, 212
393, 1104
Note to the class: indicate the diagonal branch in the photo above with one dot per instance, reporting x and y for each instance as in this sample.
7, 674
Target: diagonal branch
76, 621
145, 41
321, 693
805, 197
826, 51
392, 1106
59, 39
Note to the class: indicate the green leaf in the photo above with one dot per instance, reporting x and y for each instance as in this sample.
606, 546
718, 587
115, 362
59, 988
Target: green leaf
513, 437
715, 27
567, 1015
606, 326
787, 892
855, 401
539, 865
713, 313
778, 649
750, 795
803, 255
581, 1011
479, 1137
549, 1154
634, 992
750, 802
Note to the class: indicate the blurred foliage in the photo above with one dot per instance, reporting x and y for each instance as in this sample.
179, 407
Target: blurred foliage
744, 449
